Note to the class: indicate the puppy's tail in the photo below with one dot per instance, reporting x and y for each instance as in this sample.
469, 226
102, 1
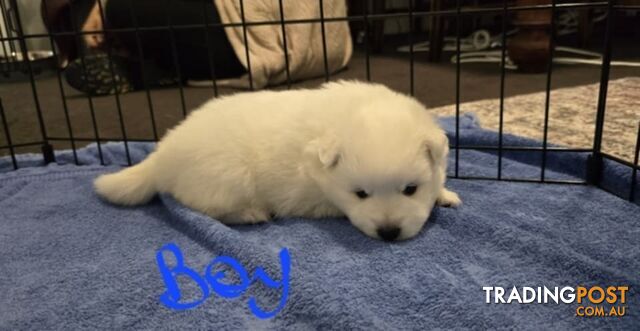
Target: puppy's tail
131, 186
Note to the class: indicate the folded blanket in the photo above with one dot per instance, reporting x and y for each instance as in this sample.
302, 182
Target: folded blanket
305, 47
71, 261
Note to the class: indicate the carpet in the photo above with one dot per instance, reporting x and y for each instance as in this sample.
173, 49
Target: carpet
572, 115
71, 261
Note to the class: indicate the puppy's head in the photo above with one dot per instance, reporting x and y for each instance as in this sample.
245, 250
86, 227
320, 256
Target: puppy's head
383, 171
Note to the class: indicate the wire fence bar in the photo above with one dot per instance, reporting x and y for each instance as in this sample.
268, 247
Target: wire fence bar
634, 170
412, 88
210, 52
21, 145
47, 149
63, 97
521, 148
595, 163
525, 180
245, 26
324, 40
7, 135
143, 72
547, 101
461, 147
83, 65
7, 52
385, 16
284, 44
619, 160
458, 52
367, 39
116, 90
104, 139
503, 58
176, 58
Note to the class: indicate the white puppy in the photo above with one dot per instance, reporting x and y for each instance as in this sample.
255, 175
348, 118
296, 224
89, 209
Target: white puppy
348, 148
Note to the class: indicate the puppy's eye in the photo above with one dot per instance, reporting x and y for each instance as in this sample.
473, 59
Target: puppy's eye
409, 190
362, 194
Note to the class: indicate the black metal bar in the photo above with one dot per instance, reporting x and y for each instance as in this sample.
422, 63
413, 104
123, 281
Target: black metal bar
324, 41
145, 82
502, 76
102, 139
7, 134
618, 160
436, 31
458, 53
545, 134
466, 11
176, 58
36, 143
12, 45
627, 7
367, 39
83, 64
47, 149
595, 164
63, 97
7, 54
461, 147
525, 180
210, 53
284, 43
411, 52
13, 63
246, 43
115, 87
521, 148
604, 81
634, 171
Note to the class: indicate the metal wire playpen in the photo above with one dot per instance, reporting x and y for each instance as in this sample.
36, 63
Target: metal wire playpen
19, 60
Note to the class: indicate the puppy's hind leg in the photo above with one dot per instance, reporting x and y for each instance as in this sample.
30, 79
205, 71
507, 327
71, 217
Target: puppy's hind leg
448, 199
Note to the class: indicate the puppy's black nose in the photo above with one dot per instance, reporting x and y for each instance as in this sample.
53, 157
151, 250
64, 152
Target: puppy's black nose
388, 233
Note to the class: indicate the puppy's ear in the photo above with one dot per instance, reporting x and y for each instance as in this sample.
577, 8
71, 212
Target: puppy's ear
437, 146
325, 150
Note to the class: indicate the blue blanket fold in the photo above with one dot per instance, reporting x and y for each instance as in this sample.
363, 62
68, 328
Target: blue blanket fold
72, 261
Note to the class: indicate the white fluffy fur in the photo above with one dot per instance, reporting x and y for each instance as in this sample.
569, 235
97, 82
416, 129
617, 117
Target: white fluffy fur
243, 158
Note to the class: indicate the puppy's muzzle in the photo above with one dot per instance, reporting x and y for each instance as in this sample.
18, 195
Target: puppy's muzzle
388, 233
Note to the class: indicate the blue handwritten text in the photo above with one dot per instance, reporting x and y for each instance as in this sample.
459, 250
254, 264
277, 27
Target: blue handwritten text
208, 282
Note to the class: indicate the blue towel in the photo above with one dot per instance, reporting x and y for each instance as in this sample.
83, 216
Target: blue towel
71, 261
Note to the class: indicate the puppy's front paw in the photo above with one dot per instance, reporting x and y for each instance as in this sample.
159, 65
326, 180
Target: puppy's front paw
255, 216
448, 199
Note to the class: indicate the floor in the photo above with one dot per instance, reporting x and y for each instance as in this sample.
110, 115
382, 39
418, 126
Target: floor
434, 86
572, 116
